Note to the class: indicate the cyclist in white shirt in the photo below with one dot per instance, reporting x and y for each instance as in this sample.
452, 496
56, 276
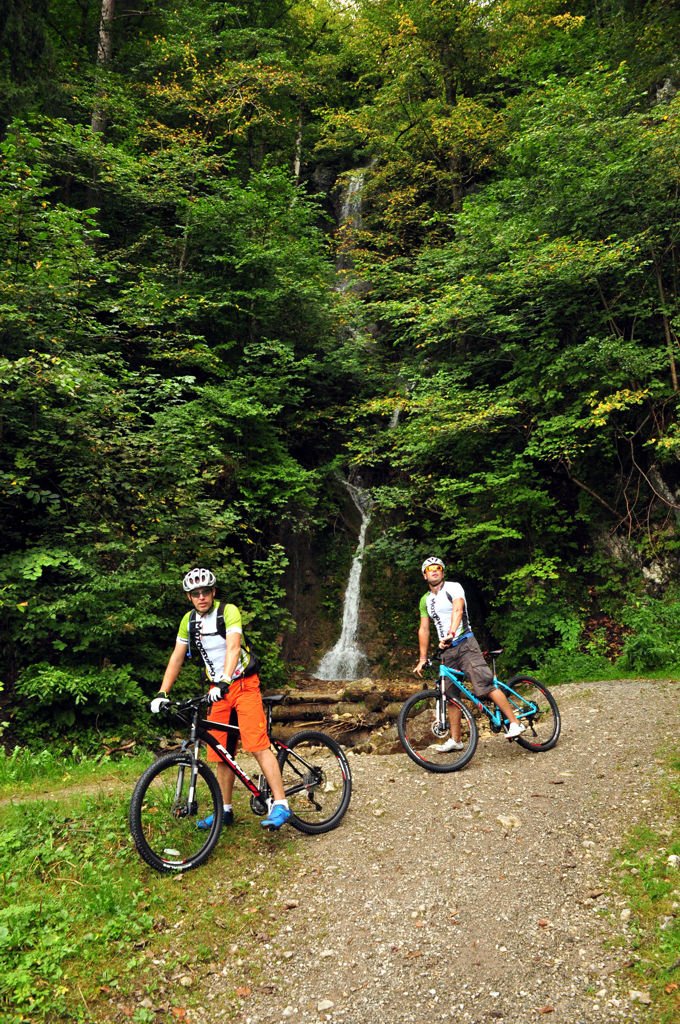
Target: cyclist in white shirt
444, 604
215, 631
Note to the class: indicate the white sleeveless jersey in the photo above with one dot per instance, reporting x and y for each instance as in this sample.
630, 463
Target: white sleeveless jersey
440, 605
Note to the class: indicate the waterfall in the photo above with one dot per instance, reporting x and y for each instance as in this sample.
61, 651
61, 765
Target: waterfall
345, 660
350, 206
349, 211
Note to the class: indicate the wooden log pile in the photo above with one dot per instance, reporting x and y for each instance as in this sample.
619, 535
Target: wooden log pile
360, 714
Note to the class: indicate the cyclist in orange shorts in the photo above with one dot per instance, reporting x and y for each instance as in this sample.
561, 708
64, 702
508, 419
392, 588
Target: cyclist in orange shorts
215, 631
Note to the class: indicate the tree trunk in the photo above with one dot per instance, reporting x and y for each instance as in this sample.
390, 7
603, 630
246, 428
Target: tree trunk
297, 161
668, 333
104, 52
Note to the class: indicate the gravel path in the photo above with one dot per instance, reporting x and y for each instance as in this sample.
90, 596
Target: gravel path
480, 896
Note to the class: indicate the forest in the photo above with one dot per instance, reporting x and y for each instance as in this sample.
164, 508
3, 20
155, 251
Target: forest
253, 251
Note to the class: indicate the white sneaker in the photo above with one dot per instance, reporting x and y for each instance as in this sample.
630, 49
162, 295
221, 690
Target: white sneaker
444, 748
514, 729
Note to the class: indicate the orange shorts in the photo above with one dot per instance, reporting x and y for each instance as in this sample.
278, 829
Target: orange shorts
243, 697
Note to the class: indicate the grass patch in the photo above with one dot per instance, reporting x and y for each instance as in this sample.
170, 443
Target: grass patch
89, 934
647, 871
24, 771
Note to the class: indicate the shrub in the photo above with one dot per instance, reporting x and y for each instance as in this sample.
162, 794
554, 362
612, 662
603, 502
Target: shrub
564, 665
654, 642
61, 701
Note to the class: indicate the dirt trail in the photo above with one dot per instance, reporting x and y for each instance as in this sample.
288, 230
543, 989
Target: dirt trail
425, 906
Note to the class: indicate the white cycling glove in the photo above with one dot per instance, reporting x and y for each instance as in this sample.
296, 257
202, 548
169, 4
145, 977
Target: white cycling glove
158, 703
215, 692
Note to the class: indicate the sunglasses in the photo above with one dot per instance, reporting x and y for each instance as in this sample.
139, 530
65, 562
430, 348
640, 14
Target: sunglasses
201, 592
434, 568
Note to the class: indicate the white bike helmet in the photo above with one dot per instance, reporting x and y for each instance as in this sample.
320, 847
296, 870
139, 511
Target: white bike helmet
198, 578
432, 561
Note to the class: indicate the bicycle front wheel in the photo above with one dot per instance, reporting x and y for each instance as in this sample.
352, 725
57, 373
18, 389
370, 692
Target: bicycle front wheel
536, 708
317, 780
165, 810
423, 734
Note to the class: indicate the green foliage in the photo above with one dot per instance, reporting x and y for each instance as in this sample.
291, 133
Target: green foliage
563, 664
649, 627
23, 768
62, 915
98, 692
125, 463
84, 924
533, 371
655, 630
181, 377
54, 699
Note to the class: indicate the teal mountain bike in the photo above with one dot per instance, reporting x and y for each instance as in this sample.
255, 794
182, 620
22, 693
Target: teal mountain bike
424, 720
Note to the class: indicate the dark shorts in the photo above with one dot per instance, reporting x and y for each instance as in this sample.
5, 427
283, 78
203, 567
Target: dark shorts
467, 657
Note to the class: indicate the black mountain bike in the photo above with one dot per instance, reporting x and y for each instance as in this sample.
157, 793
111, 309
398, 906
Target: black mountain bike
179, 788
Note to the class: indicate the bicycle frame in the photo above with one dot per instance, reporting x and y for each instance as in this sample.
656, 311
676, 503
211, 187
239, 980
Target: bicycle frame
522, 707
201, 729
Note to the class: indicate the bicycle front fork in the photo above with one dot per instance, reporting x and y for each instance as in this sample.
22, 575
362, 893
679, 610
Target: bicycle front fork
440, 726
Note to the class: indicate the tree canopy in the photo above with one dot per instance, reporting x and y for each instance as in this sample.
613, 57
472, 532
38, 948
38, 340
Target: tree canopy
196, 340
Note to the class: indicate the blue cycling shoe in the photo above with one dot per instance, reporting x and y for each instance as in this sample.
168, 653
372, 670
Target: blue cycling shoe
277, 817
206, 823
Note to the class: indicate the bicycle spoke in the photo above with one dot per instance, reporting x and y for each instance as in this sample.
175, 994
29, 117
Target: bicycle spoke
426, 731
536, 708
316, 779
166, 807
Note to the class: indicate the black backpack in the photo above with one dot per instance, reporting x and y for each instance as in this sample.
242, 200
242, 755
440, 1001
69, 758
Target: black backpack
253, 663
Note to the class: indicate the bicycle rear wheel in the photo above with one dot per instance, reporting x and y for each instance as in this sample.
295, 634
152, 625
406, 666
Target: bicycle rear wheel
537, 710
164, 813
421, 732
317, 780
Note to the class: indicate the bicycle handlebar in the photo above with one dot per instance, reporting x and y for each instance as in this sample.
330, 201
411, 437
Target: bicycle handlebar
179, 708
193, 702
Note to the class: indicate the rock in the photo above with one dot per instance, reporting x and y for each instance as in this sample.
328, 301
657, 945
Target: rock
325, 1004
640, 997
509, 820
358, 688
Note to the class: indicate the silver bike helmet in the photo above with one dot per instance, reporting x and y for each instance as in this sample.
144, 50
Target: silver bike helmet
432, 561
198, 578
